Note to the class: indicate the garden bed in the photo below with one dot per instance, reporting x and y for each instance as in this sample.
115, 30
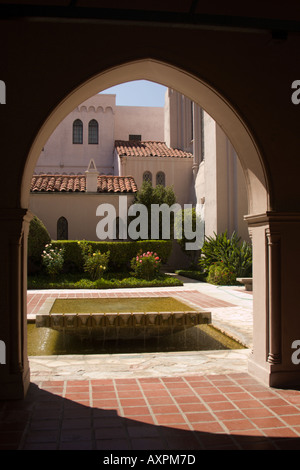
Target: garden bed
110, 281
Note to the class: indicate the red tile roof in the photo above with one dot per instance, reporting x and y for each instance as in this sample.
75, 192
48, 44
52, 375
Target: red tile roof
77, 183
134, 148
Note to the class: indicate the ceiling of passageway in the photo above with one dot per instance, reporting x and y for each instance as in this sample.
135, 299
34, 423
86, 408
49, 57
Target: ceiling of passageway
268, 15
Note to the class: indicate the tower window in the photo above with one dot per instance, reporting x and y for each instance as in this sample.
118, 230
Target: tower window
93, 132
135, 137
77, 132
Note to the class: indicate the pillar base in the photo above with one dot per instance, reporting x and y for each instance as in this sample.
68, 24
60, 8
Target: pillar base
273, 376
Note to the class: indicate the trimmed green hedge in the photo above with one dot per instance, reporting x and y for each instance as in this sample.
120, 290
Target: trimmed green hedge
121, 253
77, 281
38, 237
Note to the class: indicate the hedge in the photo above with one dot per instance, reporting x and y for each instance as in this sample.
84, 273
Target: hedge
121, 253
38, 237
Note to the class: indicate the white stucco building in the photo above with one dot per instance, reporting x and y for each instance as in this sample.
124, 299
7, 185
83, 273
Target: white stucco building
179, 145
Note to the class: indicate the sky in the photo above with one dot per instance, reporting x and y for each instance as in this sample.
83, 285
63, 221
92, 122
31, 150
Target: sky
138, 93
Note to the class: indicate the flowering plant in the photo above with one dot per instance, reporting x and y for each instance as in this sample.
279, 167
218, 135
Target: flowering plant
96, 263
146, 265
53, 259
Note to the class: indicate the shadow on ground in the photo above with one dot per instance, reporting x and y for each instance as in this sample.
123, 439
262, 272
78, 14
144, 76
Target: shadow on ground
46, 421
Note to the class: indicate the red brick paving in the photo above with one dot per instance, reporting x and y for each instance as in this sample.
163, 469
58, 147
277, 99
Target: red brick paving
187, 413
175, 413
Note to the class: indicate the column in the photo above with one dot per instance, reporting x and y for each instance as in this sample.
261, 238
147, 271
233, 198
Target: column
14, 374
276, 301
274, 297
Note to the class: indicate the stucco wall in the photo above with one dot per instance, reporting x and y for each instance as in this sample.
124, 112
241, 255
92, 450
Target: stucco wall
220, 180
139, 120
79, 209
60, 155
178, 172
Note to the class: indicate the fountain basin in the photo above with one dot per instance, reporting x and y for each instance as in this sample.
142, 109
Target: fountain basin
56, 314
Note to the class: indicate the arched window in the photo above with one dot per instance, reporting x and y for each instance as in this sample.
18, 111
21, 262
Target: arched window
62, 229
93, 132
77, 132
160, 178
147, 176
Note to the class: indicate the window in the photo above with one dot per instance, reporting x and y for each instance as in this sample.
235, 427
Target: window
160, 178
93, 132
77, 132
62, 229
147, 176
135, 137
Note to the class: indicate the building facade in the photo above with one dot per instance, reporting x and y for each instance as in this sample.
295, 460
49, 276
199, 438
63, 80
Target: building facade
179, 145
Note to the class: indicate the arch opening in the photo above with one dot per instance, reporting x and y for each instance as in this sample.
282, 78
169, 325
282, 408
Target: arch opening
192, 87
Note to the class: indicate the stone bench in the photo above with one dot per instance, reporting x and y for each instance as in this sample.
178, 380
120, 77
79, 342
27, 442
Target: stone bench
247, 281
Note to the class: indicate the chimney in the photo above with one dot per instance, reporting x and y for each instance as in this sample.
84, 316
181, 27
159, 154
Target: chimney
91, 178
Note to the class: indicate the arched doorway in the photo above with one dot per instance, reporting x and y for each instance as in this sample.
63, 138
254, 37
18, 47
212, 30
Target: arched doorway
198, 91
265, 350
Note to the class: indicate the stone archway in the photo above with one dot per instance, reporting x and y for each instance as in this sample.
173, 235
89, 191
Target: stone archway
198, 91
267, 348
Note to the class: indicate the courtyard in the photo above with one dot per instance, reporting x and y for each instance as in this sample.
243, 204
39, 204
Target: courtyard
196, 400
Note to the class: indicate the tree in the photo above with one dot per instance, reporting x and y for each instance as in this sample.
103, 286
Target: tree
188, 222
149, 196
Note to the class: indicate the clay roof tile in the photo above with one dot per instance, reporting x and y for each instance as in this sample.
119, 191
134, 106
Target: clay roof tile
148, 149
77, 183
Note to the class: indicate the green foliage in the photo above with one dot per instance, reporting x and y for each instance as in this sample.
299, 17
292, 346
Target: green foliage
146, 265
147, 196
234, 254
95, 263
53, 259
192, 274
121, 253
38, 237
109, 281
73, 255
221, 275
186, 223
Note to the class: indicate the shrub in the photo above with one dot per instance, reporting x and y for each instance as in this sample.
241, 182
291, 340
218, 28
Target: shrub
221, 275
121, 253
38, 237
234, 255
95, 263
53, 259
73, 256
146, 265
190, 220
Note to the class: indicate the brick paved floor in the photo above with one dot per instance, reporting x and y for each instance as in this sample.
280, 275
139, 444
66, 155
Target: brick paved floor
175, 413
229, 411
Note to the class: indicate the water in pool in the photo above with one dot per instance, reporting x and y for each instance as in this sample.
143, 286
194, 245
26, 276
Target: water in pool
47, 341
110, 305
